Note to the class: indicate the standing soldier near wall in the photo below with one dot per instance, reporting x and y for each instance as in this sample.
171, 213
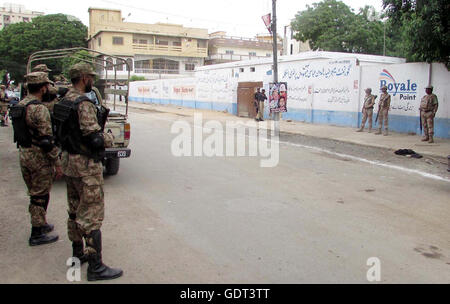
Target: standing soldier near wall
367, 111
383, 111
39, 157
428, 108
83, 142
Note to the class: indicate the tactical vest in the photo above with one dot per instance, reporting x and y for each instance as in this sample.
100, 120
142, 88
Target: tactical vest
67, 125
22, 135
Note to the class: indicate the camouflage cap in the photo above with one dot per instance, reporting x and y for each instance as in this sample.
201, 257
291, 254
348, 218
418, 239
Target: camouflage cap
79, 69
384, 88
37, 78
41, 68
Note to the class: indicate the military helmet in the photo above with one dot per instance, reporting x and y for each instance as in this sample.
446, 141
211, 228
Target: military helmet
80, 69
37, 78
41, 68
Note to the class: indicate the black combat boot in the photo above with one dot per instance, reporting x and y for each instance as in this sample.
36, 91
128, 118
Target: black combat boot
78, 252
97, 270
47, 227
38, 237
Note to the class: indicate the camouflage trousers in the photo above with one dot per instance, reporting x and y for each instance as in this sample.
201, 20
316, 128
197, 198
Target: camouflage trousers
39, 180
367, 114
427, 123
383, 118
86, 206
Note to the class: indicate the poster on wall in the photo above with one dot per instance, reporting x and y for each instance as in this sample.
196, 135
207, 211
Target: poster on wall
278, 97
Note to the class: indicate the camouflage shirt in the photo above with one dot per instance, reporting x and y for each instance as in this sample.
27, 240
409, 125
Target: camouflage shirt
39, 122
76, 165
369, 101
385, 101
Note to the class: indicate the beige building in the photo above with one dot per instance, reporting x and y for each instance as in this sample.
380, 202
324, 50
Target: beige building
151, 50
223, 48
290, 45
12, 13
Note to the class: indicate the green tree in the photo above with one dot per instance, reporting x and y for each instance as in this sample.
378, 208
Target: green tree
19, 41
425, 26
81, 56
325, 25
332, 26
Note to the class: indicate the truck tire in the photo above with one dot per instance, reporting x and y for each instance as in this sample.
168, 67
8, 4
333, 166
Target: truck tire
112, 166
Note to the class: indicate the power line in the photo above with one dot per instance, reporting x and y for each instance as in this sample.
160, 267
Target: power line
176, 15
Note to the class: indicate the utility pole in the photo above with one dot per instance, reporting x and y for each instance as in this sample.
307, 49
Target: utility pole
275, 49
275, 42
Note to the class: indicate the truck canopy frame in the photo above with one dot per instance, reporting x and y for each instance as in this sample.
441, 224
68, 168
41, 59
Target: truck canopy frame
96, 58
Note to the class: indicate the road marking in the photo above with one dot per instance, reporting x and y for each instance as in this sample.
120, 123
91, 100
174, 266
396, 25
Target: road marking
360, 159
375, 163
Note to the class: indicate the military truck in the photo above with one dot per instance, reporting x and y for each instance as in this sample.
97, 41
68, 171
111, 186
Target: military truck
117, 122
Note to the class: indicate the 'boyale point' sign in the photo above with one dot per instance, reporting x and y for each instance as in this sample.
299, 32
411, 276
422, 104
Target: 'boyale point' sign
406, 90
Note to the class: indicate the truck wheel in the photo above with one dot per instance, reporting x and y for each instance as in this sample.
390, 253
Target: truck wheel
112, 166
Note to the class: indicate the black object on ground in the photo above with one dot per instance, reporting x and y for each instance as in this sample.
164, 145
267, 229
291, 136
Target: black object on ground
406, 152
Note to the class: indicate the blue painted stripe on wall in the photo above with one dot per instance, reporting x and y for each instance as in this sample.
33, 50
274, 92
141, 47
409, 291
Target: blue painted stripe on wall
397, 123
194, 104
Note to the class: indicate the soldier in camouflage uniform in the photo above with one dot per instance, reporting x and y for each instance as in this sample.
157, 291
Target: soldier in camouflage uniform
369, 102
53, 92
40, 161
428, 108
3, 106
383, 111
84, 177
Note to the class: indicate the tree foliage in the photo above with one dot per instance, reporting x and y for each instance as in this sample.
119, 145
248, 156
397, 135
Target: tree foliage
332, 26
425, 25
415, 29
80, 56
18, 41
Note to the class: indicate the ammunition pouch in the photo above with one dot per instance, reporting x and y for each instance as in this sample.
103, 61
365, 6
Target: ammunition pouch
46, 143
96, 141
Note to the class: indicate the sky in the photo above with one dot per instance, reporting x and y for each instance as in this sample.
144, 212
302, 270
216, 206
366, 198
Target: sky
237, 17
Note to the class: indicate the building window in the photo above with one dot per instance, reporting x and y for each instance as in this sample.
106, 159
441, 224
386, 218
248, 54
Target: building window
252, 69
190, 67
268, 55
26, 19
241, 70
118, 40
229, 52
162, 42
130, 64
119, 66
252, 53
109, 64
171, 66
99, 41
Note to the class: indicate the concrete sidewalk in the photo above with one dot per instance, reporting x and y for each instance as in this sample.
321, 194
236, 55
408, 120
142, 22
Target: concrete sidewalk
440, 149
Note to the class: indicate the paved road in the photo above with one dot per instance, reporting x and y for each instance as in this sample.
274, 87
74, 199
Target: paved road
315, 218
